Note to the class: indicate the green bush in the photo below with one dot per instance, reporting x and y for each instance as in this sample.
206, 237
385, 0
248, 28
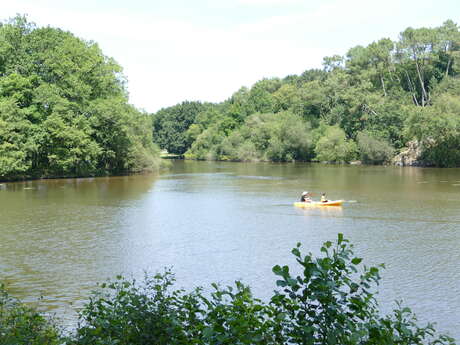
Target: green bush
333, 146
263, 137
291, 139
439, 135
276, 137
438, 126
206, 144
247, 152
21, 325
373, 150
331, 301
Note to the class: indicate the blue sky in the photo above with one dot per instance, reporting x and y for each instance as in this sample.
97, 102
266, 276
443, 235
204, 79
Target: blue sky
175, 50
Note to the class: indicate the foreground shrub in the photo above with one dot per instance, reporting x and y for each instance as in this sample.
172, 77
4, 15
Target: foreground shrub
331, 301
21, 325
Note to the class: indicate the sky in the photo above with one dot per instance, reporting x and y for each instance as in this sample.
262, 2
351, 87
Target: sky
177, 50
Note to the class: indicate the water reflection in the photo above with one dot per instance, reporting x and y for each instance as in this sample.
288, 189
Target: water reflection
326, 211
58, 237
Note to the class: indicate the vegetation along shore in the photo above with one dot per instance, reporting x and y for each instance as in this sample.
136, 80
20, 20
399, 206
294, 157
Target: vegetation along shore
390, 102
64, 108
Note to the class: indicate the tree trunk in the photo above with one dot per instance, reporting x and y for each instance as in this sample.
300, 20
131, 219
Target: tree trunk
383, 85
422, 84
448, 65
411, 87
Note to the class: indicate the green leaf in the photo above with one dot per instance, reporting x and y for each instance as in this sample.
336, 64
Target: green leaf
277, 270
296, 252
339, 238
281, 283
356, 261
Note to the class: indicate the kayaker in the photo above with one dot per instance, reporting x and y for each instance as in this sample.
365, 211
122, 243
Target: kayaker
305, 197
323, 197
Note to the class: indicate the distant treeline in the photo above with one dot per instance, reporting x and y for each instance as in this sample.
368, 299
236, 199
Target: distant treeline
366, 105
64, 108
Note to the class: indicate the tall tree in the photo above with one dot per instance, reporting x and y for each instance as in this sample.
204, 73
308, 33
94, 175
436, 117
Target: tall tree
170, 125
52, 85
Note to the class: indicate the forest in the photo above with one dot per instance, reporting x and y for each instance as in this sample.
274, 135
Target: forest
369, 105
64, 108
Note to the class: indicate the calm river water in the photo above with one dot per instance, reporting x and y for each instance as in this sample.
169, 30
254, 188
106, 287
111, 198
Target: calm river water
218, 222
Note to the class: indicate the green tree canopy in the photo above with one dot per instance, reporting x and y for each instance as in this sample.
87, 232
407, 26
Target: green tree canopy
389, 93
170, 125
64, 108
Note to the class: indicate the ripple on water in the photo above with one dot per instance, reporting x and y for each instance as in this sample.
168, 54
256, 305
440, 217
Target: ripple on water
224, 221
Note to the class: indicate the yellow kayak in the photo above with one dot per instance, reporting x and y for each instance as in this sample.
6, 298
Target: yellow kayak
319, 203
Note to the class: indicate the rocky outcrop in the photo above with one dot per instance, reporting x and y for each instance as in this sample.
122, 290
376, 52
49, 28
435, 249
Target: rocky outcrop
410, 156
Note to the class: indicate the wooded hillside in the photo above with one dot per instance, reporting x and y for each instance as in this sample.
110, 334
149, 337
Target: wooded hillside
366, 105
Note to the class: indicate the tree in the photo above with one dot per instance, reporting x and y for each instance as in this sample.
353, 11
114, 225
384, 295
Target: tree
374, 89
64, 108
334, 147
260, 97
419, 47
170, 125
18, 148
373, 150
331, 63
449, 45
438, 127
285, 97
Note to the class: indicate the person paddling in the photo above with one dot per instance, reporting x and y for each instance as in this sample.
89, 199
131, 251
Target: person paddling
323, 197
305, 197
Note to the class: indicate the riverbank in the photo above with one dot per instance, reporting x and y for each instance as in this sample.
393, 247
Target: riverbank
77, 176
162, 165
166, 155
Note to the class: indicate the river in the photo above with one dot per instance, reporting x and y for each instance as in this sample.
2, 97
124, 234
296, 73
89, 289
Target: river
218, 222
